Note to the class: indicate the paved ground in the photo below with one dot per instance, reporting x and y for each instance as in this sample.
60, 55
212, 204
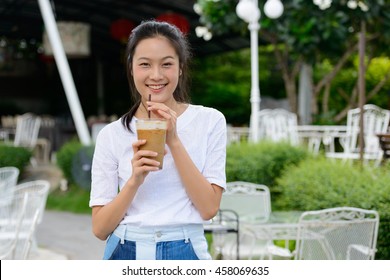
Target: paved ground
63, 235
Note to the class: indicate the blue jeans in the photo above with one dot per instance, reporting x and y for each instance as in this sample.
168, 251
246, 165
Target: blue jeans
160, 243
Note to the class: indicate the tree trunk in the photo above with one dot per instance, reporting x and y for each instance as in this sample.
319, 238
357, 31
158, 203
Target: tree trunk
305, 94
289, 77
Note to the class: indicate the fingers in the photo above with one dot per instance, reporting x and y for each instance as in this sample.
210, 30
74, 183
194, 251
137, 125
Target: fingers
162, 110
143, 158
138, 144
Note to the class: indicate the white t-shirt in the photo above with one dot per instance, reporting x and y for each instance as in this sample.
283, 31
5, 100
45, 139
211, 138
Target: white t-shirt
161, 199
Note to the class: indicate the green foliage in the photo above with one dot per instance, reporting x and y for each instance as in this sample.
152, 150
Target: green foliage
220, 79
18, 157
75, 161
320, 183
220, 17
71, 160
309, 33
378, 69
261, 163
65, 157
345, 81
223, 81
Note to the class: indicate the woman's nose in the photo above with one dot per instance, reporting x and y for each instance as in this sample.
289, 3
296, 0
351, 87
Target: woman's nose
156, 73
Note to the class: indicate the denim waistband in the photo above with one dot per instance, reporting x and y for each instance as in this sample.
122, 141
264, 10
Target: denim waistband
159, 233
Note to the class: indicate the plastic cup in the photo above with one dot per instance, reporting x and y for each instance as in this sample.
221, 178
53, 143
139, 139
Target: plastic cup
154, 132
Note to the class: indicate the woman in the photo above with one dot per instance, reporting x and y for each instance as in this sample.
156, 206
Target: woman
158, 214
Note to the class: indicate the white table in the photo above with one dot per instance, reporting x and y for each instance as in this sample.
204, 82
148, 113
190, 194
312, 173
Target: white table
237, 134
325, 134
280, 226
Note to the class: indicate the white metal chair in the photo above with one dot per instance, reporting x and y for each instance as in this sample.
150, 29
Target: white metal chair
375, 120
278, 125
36, 192
337, 234
12, 210
8, 178
27, 130
252, 204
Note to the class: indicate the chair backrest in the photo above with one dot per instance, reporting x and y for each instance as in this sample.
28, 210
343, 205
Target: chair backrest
39, 190
12, 211
278, 125
252, 202
375, 120
337, 234
36, 193
8, 178
27, 129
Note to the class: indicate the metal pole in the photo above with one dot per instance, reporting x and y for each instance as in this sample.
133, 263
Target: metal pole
65, 73
255, 88
362, 87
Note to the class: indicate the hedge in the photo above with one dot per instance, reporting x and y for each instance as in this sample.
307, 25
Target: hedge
18, 157
262, 162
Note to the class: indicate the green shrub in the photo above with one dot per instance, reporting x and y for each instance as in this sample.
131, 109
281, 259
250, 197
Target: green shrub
75, 161
18, 157
65, 157
262, 162
322, 183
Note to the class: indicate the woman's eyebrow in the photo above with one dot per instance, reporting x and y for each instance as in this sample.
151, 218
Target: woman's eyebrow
147, 58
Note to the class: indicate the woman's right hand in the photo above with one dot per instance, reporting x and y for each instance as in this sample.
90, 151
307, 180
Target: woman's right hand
142, 163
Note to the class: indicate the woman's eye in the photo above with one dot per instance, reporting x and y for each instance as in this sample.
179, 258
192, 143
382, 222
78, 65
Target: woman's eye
144, 64
168, 64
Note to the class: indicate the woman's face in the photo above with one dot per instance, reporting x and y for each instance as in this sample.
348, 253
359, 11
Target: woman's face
155, 69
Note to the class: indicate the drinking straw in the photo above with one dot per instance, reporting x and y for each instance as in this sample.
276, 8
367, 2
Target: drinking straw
150, 99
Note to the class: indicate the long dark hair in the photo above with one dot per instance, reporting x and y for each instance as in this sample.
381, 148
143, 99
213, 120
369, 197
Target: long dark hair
151, 29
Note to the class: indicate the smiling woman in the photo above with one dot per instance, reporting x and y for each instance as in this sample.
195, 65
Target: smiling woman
159, 211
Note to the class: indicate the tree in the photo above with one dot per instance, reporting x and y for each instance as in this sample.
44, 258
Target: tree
309, 32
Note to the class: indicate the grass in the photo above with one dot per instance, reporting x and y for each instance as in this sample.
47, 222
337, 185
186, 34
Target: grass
73, 200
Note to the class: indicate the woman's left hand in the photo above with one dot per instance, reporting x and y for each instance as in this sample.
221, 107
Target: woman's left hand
161, 110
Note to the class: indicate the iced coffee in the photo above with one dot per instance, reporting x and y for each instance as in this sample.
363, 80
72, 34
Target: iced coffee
154, 132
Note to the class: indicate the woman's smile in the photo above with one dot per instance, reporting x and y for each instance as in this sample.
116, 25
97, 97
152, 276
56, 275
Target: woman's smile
156, 88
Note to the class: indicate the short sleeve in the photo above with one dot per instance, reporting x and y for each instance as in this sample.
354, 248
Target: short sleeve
214, 170
104, 173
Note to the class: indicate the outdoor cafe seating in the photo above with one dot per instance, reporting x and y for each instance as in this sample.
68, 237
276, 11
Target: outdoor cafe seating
278, 125
375, 121
43, 134
24, 134
243, 203
246, 228
21, 210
